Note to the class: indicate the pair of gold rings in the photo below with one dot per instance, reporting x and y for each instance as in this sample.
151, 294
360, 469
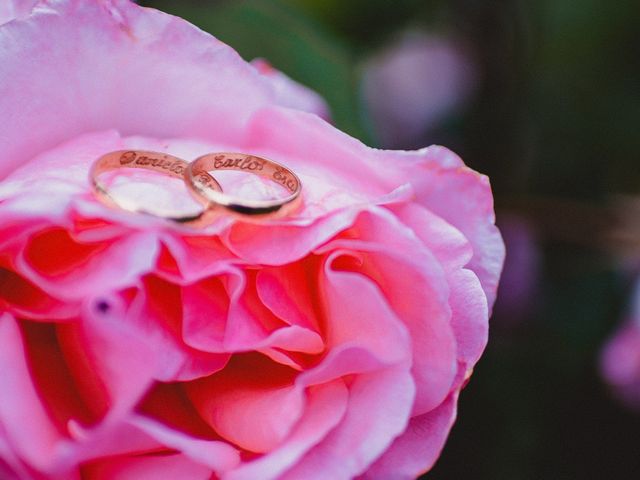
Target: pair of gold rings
202, 184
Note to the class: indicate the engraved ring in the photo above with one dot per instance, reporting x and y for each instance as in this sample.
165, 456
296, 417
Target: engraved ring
154, 161
198, 180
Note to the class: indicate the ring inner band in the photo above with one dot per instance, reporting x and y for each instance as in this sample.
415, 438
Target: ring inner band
199, 181
141, 159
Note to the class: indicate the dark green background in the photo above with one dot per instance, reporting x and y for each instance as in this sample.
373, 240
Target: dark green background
555, 125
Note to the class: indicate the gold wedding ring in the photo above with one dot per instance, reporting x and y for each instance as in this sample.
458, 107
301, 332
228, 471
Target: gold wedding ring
199, 180
202, 185
154, 161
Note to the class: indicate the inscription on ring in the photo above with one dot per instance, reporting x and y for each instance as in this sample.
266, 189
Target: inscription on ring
174, 166
283, 177
238, 163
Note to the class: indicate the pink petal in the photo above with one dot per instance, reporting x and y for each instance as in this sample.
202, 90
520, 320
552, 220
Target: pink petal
439, 178
253, 402
378, 411
288, 292
318, 150
469, 316
147, 467
22, 298
107, 439
107, 356
29, 431
263, 243
468, 302
157, 316
187, 259
10, 465
368, 326
463, 198
290, 93
54, 380
206, 305
418, 448
72, 270
415, 286
15, 9
122, 56
218, 456
326, 405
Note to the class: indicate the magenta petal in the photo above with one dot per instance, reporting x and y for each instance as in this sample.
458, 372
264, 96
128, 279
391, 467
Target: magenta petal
29, 431
147, 467
218, 456
120, 358
109, 267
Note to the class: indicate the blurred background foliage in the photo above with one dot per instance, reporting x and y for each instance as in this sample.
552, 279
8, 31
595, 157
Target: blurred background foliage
544, 97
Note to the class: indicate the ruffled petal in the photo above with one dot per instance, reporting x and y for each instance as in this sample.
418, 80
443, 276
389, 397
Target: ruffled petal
325, 407
415, 286
252, 403
418, 448
469, 312
29, 430
463, 198
378, 411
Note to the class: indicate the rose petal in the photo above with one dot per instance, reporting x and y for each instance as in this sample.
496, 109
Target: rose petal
122, 55
326, 405
290, 93
22, 298
219, 456
463, 198
15, 9
32, 435
159, 320
415, 286
467, 298
359, 336
288, 292
10, 464
439, 178
253, 402
147, 467
418, 448
95, 267
378, 411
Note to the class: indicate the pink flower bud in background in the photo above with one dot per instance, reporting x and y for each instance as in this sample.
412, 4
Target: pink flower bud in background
521, 272
620, 358
413, 84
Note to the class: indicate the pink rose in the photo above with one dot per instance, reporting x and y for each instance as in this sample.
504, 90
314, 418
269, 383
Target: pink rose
329, 344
